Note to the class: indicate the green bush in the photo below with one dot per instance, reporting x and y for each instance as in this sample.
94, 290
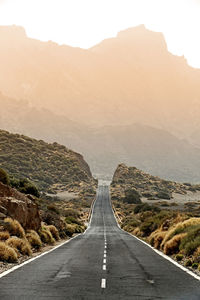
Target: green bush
4, 178
132, 196
195, 266
145, 207
179, 257
192, 240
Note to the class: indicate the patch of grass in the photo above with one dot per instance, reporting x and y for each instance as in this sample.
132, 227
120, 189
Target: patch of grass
7, 253
20, 245
14, 227
34, 239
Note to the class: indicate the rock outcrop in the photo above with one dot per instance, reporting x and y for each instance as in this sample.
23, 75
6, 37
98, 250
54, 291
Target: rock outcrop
20, 207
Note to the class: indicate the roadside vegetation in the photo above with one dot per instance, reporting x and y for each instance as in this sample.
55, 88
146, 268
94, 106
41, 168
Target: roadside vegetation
161, 223
47, 166
60, 219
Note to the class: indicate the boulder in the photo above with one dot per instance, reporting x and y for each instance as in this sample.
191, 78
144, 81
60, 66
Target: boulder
18, 206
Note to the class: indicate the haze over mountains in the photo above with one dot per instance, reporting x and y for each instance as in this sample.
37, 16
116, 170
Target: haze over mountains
125, 100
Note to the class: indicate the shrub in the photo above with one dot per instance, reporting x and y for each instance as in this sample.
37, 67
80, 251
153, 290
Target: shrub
191, 241
7, 253
195, 265
188, 263
54, 232
72, 220
179, 228
46, 235
20, 245
4, 178
172, 246
33, 239
14, 227
4, 235
156, 238
70, 229
52, 207
163, 195
145, 207
27, 187
132, 196
179, 257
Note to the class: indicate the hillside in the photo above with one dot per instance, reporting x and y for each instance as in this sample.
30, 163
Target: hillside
127, 79
149, 187
49, 166
151, 149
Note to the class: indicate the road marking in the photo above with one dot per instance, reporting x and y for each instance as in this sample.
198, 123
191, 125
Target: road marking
103, 283
105, 251
105, 247
104, 267
104, 261
104, 255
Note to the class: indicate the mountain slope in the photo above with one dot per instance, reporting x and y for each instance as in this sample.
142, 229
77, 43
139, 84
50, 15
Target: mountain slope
48, 165
151, 149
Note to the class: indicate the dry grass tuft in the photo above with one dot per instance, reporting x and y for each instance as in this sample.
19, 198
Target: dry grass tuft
14, 227
172, 246
4, 235
54, 232
137, 231
20, 245
46, 235
179, 228
156, 238
34, 239
7, 253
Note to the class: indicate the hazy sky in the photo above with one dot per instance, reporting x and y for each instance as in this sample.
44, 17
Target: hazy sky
84, 23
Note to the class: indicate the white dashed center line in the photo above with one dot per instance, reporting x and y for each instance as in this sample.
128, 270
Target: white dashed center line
104, 267
104, 261
103, 283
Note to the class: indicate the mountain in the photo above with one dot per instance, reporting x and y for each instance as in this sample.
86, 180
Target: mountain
151, 149
50, 166
131, 78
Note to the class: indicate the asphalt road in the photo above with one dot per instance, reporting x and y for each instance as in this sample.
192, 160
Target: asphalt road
103, 263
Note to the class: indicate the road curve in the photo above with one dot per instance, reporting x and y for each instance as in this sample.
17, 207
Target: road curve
103, 263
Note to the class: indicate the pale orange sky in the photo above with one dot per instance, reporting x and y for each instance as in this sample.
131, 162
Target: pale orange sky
84, 23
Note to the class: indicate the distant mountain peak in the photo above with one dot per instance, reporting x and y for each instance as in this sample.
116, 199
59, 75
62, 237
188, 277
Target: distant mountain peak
13, 32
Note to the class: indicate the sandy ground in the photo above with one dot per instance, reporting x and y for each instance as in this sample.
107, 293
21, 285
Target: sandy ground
181, 200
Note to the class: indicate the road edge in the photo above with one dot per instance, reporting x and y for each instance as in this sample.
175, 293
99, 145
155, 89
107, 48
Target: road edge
152, 248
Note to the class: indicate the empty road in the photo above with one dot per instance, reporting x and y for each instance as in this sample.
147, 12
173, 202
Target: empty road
103, 263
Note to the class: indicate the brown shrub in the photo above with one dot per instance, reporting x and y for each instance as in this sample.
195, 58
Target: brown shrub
20, 245
7, 253
137, 231
156, 238
14, 227
46, 235
172, 246
4, 235
179, 228
54, 232
33, 239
